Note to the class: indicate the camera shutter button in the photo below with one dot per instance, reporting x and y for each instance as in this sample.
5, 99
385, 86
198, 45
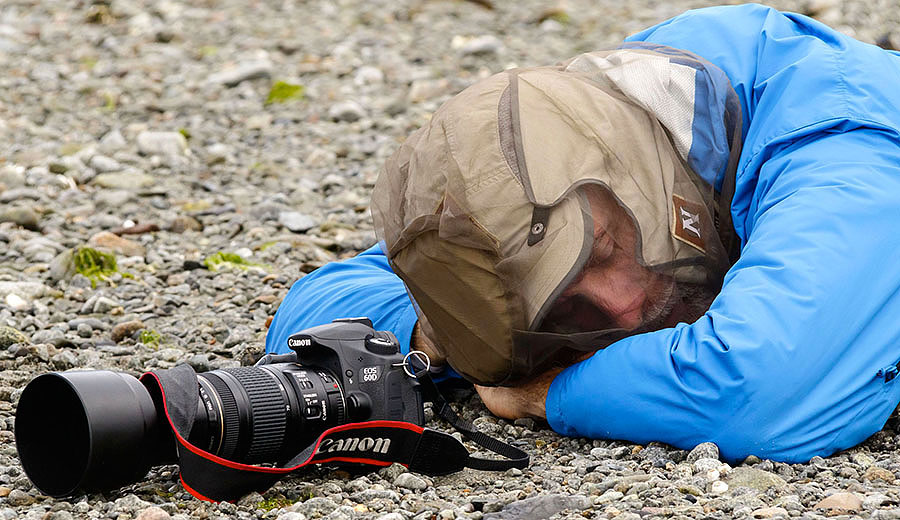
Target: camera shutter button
381, 346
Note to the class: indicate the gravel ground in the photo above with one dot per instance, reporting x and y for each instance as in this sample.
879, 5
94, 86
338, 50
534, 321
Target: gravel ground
147, 128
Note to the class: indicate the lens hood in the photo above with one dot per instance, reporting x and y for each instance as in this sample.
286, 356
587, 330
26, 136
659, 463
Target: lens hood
87, 431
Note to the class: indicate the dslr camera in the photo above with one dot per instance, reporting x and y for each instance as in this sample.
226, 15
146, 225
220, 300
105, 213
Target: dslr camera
82, 431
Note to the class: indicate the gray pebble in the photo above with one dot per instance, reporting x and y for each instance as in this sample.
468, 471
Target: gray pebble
21, 216
705, 450
47, 336
103, 164
84, 330
368, 75
62, 515
754, 478
375, 494
238, 335
247, 70
314, 507
291, 515
296, 221
21, 194
487, 44
18, 498
199, 362
128, 180
113, 141
348, 111
161, 143
410, 481
102, 305
542, 506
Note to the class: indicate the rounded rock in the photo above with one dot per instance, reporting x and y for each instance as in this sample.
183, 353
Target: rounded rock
348, 111
296, 221
410, 481
481, 45
126, 330
877, 473
10, 336
104, 164
718, 487
23, 217
84, 330
705, 464
153, 513
368, 75
18, 498
705, 450
291, 515
162, 143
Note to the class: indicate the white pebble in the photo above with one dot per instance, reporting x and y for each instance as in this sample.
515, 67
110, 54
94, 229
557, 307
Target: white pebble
718, 487
16, 302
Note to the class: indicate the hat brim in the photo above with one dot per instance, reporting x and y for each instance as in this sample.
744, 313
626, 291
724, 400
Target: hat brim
563, 252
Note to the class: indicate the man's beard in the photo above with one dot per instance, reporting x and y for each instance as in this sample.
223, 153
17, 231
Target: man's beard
686, 304
673, 303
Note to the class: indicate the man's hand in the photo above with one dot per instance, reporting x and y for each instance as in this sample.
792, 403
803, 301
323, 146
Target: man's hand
514, 402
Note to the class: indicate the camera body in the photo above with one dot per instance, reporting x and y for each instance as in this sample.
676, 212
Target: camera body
117, 427
368, 364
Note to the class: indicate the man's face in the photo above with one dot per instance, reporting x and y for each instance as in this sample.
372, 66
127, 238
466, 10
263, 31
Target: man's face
613, 290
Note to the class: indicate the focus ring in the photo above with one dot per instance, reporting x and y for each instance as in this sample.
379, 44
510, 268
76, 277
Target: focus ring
268, 410
230, 416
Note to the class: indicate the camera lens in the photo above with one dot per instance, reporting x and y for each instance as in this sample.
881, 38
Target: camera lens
96, 430
263, 414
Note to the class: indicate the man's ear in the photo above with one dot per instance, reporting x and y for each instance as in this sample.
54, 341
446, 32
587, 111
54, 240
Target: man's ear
422, 342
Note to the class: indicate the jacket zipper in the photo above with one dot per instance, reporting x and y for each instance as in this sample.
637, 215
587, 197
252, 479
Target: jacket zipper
889, 372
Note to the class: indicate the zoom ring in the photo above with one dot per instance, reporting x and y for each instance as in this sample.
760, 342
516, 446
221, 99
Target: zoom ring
268, 410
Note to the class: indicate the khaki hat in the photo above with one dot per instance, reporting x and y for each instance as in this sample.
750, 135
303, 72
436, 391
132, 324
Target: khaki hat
481, 215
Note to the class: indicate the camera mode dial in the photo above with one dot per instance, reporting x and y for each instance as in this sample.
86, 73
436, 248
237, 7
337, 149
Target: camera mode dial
381, 346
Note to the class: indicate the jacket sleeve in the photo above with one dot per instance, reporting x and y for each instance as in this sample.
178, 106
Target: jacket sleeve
360, 286
796, 356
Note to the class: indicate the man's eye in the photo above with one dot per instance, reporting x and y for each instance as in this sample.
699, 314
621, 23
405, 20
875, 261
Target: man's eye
604, 245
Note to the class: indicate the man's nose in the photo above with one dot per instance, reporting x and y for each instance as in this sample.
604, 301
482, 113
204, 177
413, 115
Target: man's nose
620, 299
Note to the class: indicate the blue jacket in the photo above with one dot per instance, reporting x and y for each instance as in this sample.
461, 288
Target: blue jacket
797, 355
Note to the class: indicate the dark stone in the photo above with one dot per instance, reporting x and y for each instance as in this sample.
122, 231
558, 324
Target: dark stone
190, 265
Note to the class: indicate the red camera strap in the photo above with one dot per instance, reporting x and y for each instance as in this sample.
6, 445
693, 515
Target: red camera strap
374, 443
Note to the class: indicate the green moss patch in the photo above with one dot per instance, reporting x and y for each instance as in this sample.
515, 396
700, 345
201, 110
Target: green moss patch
222, 260
274, 503
561, 17
266, 245
282, 92
94, 265
150, 338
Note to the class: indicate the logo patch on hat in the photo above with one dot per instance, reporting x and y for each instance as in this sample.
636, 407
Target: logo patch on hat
688, 225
